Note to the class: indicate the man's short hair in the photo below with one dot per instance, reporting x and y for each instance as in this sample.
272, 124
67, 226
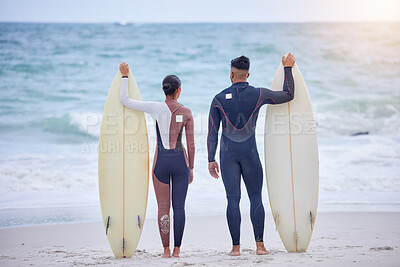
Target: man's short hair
241, 63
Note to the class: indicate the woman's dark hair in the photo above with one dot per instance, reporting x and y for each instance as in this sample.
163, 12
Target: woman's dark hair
241, 63
170, 84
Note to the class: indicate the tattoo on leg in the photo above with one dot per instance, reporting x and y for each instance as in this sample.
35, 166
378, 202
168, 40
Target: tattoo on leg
164, 224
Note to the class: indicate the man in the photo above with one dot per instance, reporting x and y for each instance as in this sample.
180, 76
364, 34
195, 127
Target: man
237, 109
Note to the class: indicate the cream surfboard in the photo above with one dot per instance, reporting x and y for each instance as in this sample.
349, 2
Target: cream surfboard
291, 163
123, 170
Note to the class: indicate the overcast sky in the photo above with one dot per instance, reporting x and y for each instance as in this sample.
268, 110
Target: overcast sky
199, 10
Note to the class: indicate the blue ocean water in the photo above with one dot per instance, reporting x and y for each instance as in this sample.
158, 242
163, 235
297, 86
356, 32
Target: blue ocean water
54, 79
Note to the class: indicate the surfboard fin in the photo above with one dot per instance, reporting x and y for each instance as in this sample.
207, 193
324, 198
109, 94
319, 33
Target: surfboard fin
139, 223
108, 224
311, 220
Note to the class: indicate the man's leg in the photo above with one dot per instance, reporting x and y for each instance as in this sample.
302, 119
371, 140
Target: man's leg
253, 178
231, 173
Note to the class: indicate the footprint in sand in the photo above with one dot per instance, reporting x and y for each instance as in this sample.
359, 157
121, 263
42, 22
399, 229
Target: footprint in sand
381, 248
178, 264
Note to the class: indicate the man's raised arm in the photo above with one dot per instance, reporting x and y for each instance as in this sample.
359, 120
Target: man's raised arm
268, 96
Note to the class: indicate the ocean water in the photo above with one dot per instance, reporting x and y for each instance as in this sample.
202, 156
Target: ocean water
54, 80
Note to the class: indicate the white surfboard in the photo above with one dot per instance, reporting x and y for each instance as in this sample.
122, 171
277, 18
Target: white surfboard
291, 163
123, 170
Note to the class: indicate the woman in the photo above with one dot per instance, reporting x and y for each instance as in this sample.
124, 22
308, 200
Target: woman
171, 163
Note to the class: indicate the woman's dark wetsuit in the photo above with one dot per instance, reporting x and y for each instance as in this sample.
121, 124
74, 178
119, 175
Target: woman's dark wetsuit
237, 108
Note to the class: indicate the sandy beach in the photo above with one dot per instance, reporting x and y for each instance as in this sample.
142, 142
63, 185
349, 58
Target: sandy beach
54, 82
345, 239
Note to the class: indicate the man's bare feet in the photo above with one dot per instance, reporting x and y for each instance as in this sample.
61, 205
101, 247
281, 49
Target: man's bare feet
176, 252
261, 250
235, 251
167, 253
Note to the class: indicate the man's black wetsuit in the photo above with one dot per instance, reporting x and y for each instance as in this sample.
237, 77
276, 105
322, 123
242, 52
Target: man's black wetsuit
237, 108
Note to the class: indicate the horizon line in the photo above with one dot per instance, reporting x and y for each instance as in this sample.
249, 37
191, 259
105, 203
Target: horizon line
122, 22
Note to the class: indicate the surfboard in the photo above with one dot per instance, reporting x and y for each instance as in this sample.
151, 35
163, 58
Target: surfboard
123, 169
291, 163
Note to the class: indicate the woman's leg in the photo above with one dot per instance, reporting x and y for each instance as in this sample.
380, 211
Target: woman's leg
163, 201
163, 195
180, 182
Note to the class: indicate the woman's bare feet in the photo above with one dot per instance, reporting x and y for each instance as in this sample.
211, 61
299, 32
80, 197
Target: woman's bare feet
235, 251
167, 253
261, 250
176, 252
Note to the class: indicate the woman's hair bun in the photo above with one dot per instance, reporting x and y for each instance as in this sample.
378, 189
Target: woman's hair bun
166, 86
